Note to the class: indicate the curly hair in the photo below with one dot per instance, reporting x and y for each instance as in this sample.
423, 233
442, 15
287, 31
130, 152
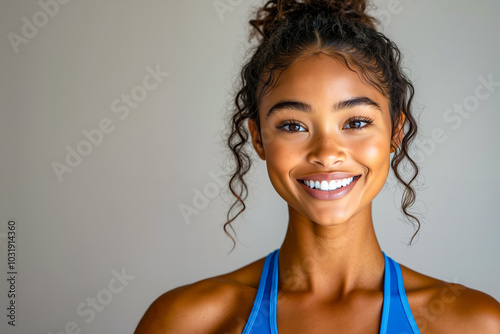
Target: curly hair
287, 30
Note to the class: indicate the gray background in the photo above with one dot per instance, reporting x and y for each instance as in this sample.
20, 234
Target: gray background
119, 208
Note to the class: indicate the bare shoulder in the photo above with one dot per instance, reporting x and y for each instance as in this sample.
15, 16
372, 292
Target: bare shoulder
219, 304
443, 307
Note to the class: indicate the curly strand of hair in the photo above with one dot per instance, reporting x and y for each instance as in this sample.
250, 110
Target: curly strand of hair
402, 153
236, 141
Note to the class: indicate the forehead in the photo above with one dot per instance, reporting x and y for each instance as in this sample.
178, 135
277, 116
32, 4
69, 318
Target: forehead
318, 79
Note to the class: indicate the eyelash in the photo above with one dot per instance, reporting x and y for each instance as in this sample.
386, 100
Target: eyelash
285, 123
366, 120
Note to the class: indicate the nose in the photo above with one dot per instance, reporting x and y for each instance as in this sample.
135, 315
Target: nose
327, 151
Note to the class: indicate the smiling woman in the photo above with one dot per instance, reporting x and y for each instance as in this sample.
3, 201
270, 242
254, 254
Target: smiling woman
326, 104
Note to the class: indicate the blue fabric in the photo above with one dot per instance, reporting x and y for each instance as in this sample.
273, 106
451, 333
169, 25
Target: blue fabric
396, 314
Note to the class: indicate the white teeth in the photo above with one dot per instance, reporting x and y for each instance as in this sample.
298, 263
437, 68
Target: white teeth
328, 186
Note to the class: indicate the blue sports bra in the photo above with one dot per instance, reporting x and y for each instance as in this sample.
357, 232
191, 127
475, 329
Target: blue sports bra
396, 314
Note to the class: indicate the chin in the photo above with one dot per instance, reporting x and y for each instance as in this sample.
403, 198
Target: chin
329, 217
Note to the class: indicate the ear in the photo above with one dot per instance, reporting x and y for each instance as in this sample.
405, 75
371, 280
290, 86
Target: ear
256, 139
398, 134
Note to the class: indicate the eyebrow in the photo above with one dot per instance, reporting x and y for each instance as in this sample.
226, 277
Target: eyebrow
342, 105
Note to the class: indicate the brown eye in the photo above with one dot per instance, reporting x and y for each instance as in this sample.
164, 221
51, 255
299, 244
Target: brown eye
357, 123
289, 126
294, 127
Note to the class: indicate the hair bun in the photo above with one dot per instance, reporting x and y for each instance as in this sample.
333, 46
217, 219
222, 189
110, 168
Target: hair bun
276, 11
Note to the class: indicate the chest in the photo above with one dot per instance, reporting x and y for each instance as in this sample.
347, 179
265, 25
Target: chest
299, 314
357, 314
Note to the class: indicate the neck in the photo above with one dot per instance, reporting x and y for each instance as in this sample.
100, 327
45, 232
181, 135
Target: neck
330, 260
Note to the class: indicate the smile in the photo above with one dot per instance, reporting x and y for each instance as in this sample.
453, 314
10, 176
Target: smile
328, 185
329, 190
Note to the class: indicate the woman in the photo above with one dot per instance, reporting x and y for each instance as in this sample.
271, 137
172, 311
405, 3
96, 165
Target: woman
326, 104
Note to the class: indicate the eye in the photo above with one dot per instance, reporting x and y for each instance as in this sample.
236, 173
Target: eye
291, 126
357, 123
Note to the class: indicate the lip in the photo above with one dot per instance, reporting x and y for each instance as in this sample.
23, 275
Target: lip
328, 176
333, 194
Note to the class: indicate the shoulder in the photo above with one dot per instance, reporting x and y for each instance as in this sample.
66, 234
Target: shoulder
217, 304
443, 307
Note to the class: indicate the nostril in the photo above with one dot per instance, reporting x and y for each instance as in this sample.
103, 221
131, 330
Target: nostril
327, 157
329, 162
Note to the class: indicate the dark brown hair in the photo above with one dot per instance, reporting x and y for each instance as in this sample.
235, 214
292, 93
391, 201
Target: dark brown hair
287, 30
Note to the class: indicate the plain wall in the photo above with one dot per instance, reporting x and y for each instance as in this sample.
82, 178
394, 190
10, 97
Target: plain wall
119, 209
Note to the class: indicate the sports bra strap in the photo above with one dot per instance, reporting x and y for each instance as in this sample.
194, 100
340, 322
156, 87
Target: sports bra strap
396, 312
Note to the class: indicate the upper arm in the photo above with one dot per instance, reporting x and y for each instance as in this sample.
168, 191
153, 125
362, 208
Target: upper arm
202, 307
472, 311
182, 310
485, 311
154, 321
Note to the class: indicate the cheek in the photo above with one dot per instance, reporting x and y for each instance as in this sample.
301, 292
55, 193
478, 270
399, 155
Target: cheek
280, 155
373, 152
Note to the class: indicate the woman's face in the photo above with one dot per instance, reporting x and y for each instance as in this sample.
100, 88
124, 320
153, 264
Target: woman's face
323, 126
